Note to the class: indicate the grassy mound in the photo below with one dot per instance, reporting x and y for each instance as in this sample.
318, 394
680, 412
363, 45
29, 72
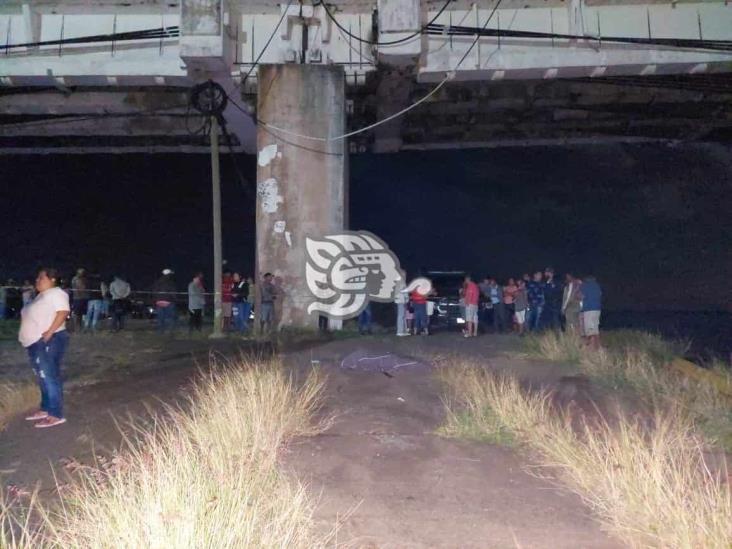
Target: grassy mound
647, 482
203, 477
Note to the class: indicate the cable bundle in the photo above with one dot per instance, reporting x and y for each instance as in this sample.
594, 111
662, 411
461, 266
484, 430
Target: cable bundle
160, 33
684, 43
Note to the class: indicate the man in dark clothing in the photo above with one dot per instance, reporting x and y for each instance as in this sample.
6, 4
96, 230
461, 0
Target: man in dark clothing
164, 294
535, 294
242, 306
486, 311
268, 295
79, 298
552, 301
495, 294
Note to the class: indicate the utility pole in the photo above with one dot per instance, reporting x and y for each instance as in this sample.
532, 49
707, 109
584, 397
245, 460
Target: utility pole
209, 98
218, 259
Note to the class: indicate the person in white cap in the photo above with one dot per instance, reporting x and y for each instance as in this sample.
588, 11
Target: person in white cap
164, 295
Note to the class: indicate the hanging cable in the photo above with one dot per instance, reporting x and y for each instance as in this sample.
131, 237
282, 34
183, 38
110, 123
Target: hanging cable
271, 36
243, 181
449, 30
355, 132
162, 32
72, 118
388, 42
450, 75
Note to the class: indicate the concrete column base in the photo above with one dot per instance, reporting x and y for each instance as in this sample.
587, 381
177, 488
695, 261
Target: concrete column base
301, 183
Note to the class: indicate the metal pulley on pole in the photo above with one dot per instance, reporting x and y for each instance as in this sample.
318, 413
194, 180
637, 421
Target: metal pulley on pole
210, 99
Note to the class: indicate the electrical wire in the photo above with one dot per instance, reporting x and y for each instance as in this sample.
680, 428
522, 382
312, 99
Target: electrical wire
71, 118
271, 36
243, 181
162, 32
450, 75
685, 43
354, 132
347, 41
388, 42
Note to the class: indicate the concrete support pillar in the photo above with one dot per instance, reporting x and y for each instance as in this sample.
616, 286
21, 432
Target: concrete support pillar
302, 184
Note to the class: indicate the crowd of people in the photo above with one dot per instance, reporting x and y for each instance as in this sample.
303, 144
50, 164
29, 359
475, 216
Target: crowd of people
94, 300
49, 303
528, 303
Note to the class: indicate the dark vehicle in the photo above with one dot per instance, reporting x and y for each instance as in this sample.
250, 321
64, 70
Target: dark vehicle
140, 309
448, 312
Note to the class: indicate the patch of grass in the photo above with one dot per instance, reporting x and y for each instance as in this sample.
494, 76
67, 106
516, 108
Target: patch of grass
638, 362
16, 397
483, 425
204, 477
554, 345
9, 330
570, 347
647, 483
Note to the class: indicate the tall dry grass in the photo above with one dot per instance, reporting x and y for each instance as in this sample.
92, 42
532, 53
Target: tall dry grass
16, 397
647, 483
639, 361
204, 477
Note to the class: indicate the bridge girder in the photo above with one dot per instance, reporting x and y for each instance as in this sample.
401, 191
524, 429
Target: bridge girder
101, 75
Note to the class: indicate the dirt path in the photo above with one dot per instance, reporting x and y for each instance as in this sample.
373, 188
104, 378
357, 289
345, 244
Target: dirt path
138, 376
380, 466
406, 487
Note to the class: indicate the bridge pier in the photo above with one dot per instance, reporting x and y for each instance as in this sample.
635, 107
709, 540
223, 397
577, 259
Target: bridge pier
302, 184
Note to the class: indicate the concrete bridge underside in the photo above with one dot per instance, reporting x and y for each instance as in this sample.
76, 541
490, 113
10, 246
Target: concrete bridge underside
110, 76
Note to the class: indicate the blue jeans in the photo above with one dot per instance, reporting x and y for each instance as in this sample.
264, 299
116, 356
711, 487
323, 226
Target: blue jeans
45, 359
534, 318
166, 317
364, 320
93, 312
420, 317
241, 311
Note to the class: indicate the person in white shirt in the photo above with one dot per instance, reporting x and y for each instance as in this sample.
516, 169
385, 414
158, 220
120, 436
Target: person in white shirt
401, 298
571, 303
43, 334
119, 289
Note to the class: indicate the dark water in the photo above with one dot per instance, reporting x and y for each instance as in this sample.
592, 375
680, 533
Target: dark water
709, 332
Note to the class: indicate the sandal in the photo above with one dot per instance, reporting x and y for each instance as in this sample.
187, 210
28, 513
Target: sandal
35, 416
50, 421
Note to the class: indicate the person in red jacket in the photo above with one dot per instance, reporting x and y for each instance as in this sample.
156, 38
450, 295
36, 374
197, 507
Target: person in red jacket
471, 295
419, 306
227, 298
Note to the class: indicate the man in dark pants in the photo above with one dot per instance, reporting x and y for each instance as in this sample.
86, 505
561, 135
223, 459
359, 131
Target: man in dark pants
80, 298
120, 291
364, 320
495, 293
196, 302
535, 294
552, 301
266, 310
164, 291
487, 313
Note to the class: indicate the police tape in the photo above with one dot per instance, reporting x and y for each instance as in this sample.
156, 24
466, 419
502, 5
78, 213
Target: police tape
23, 289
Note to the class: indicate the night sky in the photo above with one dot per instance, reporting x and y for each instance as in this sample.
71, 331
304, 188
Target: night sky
652, 221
